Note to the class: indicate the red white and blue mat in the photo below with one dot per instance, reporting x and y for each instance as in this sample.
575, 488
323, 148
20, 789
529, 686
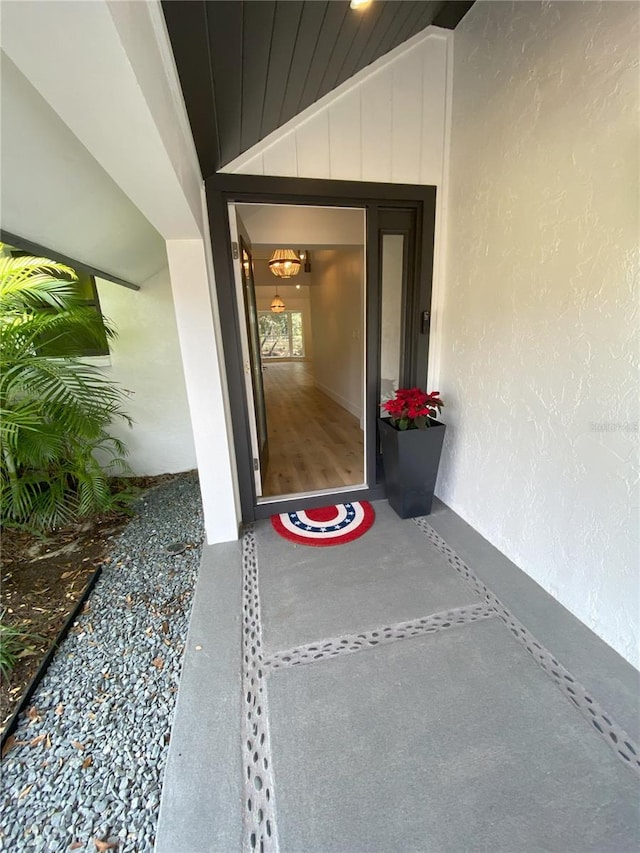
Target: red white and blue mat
327, 525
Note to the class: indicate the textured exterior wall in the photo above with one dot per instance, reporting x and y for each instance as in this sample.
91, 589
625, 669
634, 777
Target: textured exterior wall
539, 347
145, 359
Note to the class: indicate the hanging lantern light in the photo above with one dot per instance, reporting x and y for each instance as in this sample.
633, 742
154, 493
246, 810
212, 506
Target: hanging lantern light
277, 305
284, 263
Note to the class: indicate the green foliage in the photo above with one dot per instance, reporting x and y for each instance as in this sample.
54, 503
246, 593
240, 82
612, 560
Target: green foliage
14, 644
281, 334
54, 412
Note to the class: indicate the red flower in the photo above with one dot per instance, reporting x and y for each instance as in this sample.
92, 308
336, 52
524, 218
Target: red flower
411, 408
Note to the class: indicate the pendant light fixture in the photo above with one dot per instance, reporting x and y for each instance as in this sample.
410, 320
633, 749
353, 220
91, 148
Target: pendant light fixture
277, 305
284, 263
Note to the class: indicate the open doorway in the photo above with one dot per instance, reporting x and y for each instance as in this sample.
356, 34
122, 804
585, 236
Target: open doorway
396, 276
303, 340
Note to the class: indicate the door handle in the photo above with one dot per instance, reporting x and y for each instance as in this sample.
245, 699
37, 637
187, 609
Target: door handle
424, 322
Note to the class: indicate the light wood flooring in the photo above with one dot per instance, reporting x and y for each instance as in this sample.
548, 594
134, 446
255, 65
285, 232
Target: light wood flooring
314, 443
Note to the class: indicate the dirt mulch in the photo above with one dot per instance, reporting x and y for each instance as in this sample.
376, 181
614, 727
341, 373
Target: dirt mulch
42, 580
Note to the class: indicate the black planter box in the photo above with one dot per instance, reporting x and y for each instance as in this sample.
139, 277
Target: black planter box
410, 459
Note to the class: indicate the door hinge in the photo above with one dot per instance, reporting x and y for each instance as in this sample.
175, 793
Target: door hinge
256, 465
236, 251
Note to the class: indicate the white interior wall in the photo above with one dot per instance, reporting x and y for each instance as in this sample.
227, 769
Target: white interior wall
540, 346
302, 226
145, 359
337, 309
264, 278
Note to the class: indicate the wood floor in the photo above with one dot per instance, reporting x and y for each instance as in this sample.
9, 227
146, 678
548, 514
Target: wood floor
313, 442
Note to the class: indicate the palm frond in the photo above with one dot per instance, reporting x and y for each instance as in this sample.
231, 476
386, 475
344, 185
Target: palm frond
30, 282
55, 412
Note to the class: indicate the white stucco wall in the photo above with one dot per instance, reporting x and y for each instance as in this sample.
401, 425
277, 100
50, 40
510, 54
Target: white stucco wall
127, 121
539, 343
337, 319
54, 193
145, 359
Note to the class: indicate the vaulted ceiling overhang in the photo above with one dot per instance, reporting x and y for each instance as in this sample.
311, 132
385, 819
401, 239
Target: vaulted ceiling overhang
247, 67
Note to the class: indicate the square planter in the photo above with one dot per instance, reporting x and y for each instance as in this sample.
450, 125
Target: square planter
410, 459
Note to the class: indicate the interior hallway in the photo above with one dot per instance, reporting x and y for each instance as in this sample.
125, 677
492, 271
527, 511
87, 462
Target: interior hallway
411, 690
313, 442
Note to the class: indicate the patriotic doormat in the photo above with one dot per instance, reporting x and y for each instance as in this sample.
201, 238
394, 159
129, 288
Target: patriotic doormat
328, 525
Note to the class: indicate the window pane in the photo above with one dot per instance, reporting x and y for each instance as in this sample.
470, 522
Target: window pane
79, 342
281, 334
391, 320
274, 335
297, 342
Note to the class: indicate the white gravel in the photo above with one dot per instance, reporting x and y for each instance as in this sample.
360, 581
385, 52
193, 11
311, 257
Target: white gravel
105, 705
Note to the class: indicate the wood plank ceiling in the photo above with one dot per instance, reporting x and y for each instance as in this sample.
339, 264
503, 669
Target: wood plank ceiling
248, 66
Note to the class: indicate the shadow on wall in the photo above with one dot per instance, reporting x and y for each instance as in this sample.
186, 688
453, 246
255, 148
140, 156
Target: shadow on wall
145, 359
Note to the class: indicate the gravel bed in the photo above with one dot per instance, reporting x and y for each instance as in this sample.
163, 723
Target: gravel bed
94, 752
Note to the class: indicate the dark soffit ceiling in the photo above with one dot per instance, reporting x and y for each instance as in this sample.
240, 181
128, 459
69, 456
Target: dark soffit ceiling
248, 66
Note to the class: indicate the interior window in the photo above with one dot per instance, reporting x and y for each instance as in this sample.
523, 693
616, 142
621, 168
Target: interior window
281, 334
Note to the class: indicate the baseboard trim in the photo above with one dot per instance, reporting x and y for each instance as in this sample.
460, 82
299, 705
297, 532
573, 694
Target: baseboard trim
352, 408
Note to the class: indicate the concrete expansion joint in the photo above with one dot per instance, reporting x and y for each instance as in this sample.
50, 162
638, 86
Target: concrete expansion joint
258, 800
260, 825
347, 644
614, 735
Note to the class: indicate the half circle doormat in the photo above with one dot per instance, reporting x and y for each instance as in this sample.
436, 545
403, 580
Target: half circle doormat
327, 525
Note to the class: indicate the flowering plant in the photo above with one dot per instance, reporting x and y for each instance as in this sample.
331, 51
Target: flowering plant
411, 408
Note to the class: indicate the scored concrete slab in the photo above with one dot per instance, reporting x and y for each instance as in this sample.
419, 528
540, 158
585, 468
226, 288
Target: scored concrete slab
201, 807
391, 574
453, 742
602, 671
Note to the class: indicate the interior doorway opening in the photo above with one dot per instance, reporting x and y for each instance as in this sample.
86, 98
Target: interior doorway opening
304, 362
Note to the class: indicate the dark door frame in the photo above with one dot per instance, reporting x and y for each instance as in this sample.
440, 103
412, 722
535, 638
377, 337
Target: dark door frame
222, 189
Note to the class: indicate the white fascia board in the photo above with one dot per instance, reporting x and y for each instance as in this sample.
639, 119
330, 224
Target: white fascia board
143, 32
73, 55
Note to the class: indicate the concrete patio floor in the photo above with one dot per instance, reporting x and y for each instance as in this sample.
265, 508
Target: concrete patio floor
409, 691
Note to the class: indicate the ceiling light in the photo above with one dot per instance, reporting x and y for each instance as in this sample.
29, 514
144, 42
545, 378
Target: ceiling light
359, 4
277, 305
284, 263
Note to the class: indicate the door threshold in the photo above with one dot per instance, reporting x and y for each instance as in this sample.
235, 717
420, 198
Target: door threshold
265, 507
341, 490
